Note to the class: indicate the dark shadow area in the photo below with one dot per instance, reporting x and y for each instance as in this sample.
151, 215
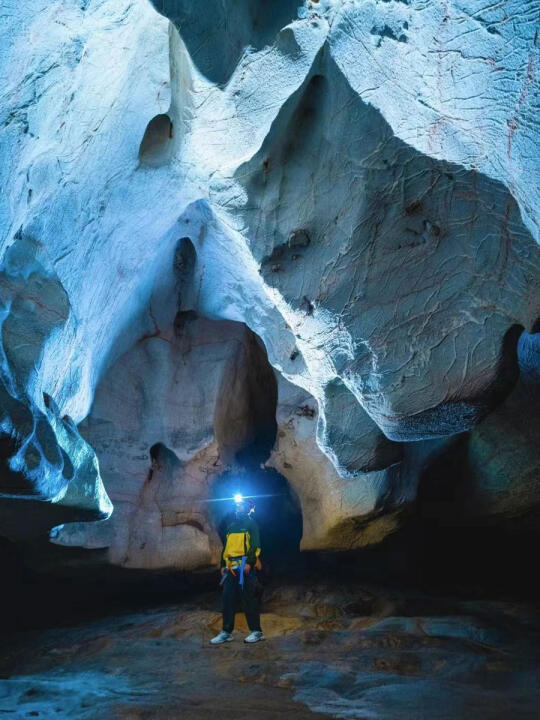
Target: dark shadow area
476, 563
50, 586
277, 510
57, 586
185, 258
245, 412
216, 33
487, 561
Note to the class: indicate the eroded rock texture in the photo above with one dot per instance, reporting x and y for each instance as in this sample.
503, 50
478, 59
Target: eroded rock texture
167, 419
340, 511
333, 651
491, 474
354, 182
48, 473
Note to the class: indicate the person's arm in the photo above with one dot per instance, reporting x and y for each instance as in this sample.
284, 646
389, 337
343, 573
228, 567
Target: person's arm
254, 542
222, 563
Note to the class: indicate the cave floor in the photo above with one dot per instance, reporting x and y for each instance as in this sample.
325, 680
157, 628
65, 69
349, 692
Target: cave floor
331, 651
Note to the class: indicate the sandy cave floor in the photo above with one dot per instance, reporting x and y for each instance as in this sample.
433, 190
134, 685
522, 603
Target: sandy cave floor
331, 651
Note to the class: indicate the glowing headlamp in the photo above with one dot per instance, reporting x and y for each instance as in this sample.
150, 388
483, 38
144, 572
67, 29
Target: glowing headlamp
238, 498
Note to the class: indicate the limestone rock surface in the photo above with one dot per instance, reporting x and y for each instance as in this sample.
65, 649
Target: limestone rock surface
356, 182
167, 419
332, 651
339, 511
48, 473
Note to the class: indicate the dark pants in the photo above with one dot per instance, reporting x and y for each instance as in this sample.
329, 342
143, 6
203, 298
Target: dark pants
250, 605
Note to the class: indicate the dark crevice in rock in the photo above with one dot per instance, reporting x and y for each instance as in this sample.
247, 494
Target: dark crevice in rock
163, 458
184, 262
245, 416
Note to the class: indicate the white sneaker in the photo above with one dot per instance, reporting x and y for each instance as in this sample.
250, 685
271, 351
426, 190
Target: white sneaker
255, 636
223, 637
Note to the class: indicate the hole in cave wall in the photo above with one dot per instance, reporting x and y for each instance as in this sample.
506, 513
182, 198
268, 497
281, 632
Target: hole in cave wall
185, 258
162, 458
156, 146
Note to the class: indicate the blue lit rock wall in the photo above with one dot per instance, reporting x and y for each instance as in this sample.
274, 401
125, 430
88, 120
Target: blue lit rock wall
359, 184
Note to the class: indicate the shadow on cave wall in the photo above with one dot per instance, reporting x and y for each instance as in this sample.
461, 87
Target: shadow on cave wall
217, 33
475, 526
454, 547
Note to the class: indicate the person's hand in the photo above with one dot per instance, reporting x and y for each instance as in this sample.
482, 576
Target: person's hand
247, 569
223, 570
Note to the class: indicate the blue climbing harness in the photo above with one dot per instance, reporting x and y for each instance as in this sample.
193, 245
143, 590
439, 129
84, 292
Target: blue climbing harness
238, 567
242, 565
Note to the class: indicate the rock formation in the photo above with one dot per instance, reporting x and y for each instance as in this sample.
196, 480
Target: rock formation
351, 186
491, 474
49, 474
339, 511
167, 419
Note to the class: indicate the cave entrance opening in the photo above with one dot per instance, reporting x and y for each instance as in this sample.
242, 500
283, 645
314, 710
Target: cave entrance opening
277, 509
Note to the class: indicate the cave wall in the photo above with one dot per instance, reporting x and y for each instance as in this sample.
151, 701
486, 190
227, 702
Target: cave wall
168, 419
355, 183
489, 476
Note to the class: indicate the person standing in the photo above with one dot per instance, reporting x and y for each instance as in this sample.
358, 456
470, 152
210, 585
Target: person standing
239, 561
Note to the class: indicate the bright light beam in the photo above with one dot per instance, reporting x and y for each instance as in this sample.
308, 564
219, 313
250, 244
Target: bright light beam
238, 498
224, 499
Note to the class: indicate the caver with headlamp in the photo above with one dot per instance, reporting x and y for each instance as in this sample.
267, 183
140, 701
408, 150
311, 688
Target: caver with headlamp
239, 561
